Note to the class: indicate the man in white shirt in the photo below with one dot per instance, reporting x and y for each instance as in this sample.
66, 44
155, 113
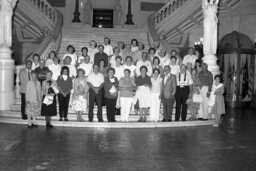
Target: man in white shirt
175, 68
108, 49
55, 68
190, 58
86, 66
184, 89
95, 81
144, 62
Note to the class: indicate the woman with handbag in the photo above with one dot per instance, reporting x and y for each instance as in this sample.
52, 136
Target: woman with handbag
49, 91
196, 98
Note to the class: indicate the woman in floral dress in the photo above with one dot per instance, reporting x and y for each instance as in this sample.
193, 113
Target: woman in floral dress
79, 103
194, 106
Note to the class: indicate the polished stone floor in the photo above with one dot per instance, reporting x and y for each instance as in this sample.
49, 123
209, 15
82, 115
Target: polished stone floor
230, 147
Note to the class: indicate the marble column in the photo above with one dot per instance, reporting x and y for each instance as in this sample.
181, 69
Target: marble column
7, 66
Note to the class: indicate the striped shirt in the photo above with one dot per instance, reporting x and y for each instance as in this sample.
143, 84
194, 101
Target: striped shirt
206, 79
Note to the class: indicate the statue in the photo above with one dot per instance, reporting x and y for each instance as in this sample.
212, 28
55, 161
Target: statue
87, 13
118, 14
6, 12
210, 26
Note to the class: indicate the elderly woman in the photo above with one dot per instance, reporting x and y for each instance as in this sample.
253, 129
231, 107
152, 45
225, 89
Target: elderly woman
49, 61
49, 91
111, 87
143, 84
155, 97
192, 104
156, 65
126, 87
92, 50
71, 53
79, 103
33, 99
36, 59
134, 45
41, 71
129, 65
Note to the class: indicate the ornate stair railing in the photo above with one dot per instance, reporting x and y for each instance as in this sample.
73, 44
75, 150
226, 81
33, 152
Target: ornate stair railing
52, 34
180, 16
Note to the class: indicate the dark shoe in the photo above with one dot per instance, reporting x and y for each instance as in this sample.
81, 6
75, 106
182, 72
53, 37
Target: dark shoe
200, 119
114, 120
35, 126
205, 119
66, 119
140, 120
24, 118
169, 120
30, 126
176, 120
49, 126
164, 120
90, 120
60, 119
101, 120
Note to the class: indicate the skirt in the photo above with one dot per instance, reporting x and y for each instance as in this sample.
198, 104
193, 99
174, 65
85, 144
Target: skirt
143, 95
49, 110
33, 109
79, 104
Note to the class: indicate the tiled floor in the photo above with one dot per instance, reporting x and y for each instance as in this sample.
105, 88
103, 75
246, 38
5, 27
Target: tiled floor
230, 147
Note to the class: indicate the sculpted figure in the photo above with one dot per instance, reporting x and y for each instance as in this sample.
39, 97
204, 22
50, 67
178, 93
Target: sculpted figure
210, 25
6, 12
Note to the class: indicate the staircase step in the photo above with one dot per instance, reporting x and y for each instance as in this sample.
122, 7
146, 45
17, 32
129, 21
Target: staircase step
56, 123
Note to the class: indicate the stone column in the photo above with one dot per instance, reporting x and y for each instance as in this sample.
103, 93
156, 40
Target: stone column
7, 66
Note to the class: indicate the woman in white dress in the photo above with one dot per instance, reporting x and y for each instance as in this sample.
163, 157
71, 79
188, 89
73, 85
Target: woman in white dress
155, 97
143, 84
81, 88
49, 61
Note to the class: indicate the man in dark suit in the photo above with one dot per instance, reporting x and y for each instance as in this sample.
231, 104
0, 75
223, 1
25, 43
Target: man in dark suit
24, 77
168, 93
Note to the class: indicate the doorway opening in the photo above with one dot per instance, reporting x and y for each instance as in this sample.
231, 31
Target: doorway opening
103, 18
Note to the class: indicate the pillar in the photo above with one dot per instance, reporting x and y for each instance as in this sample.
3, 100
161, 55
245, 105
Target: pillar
7, 66
211, 61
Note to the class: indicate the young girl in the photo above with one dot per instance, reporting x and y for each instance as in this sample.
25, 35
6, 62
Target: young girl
81, 88
218, 100
33, 97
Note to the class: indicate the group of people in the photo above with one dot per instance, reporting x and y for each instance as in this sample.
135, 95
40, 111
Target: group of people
126, 78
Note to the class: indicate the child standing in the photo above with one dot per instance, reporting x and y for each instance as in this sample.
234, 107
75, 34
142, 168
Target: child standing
219, 105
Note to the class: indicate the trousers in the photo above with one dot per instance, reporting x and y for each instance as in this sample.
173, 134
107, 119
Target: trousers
182, 94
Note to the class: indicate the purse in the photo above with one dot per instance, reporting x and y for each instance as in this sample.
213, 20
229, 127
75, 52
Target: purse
198, 98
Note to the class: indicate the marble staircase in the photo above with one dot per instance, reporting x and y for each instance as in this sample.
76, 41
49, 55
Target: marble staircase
13, 116
79, 36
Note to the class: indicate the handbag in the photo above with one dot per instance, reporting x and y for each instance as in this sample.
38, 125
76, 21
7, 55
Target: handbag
198, 98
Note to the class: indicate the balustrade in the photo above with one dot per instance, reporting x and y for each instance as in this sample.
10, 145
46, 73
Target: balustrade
45, 8
168, 9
